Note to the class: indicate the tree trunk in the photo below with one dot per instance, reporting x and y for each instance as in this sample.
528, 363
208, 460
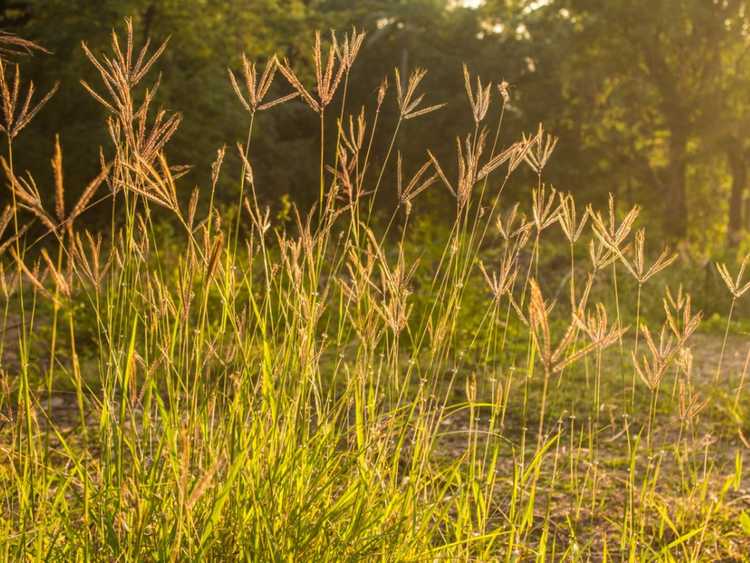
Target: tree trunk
676, 213
677, 117
738, 170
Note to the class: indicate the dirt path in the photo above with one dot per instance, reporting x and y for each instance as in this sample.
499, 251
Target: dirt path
706, 350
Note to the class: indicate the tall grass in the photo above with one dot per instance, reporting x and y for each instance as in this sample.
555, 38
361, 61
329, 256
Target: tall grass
329, 389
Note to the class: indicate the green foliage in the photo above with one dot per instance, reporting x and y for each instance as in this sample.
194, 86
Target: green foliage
651, 102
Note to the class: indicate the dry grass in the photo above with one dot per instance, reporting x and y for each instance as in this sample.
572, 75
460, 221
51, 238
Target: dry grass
317, 391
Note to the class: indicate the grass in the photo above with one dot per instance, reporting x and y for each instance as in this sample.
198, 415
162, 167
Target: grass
345, 388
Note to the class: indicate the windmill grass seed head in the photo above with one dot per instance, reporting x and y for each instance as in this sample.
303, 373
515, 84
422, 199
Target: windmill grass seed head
568, 219
256, 90
735, 286
18, 109
479, 100
556, 359
541, 148
328, 74
406, 97
638, 267
544, 211
607, 231
120, 73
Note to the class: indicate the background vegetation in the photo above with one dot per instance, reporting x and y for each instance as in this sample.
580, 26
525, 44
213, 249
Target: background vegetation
650, 99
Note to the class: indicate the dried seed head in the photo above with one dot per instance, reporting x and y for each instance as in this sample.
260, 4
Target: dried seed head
88, 259
327, 75
57, 170
501, 281
680, 318
539, 322
216, 166
514, 226
32, 275
543, 207
651, 369
382, 90
61, 283
156, 184
120, 70
17, 114
257, 90
120, 74
213, 259
638, 268
471, 388
27, 195
246, 166
479, 101
609, 233
568, 220
690, 403
504, 90
601, 256
542, 146
508, 155
350, 47
416, 185
557, 359
394, 287
408, 101
735, 286
12, 46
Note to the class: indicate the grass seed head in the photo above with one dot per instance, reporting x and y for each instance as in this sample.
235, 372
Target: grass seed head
735, 286
18, 111
479, 100
541, 148
566, 216
544, 211
406, 97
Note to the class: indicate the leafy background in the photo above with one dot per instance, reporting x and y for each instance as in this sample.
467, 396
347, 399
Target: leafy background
650, 99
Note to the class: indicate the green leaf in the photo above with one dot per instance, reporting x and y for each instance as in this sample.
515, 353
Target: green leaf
745, 523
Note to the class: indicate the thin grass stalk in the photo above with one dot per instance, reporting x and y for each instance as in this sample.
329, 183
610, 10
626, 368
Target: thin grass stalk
542, 411
242, 183
24, 395
53, 343
635, 347
724, 340
322, 163
619, 326
741, 384
391, 144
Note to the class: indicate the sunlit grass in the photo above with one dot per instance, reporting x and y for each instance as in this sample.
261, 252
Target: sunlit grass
343, 387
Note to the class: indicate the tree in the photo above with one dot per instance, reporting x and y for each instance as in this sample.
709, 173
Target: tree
656, 74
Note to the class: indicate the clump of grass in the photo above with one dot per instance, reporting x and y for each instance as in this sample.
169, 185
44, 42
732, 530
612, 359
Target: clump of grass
321, 391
